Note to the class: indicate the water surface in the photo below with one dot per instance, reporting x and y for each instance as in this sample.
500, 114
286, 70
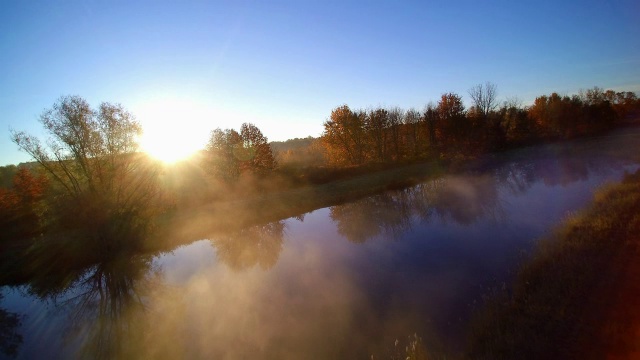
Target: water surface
338, 282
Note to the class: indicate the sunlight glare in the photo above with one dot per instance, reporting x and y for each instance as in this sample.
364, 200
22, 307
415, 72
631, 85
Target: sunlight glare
174, 129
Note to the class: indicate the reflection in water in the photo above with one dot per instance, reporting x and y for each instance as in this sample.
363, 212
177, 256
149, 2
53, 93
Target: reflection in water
385, 213
107, 306
10, 339
254, 245
461, 199
103, 303
326, 298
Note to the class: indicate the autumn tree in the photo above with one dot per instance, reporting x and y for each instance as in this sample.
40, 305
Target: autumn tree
98, 177
411, 123
223, 149
6, 175
344, 136
231, 154
454, 122
395, 119
376, 125
258, 153
519, 129
21, 205
88, 151
431, 118
625, 103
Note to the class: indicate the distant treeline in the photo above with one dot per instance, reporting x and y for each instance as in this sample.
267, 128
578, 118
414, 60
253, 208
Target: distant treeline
92, 160
448, 129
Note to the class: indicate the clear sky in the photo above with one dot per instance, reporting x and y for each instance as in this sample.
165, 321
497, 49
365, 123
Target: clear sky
186, 68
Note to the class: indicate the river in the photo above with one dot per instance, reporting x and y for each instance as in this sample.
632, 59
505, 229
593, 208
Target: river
348, 281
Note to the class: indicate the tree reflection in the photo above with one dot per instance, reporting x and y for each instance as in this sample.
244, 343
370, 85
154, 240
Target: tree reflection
254, 245
463, 199
10, 339
467, 199
108, 307
387, 213
104, 302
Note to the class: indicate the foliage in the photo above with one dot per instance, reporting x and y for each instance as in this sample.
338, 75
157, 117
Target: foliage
448, 131
98, 180
230, 154
6, 175
21, 206
344, 136
261, 160
298, 153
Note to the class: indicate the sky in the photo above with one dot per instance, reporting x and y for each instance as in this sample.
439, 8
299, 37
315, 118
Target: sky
184, 68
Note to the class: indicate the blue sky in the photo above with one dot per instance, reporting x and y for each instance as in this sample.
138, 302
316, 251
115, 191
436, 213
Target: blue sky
185, 68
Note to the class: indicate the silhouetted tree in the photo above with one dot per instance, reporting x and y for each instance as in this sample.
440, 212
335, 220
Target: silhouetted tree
431, 118
454, 122
518, 127
88, 151
98, 178
484, 97
395, 118
376, 125
412, 140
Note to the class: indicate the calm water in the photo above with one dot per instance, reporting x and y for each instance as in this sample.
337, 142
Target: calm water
339, 282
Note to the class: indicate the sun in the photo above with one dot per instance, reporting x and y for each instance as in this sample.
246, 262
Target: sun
173, 129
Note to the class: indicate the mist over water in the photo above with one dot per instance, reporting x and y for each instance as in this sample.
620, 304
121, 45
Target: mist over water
338, 282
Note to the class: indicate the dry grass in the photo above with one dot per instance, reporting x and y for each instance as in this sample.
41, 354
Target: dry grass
575, 287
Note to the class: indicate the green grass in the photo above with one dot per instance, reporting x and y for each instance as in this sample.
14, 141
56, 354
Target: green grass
570, 292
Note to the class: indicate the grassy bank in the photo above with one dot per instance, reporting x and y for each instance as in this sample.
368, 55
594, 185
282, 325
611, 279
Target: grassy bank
577, 297
200, 222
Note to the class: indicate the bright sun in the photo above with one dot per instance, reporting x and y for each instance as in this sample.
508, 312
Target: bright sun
174, 129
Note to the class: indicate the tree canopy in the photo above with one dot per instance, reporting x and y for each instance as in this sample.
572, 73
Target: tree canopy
231, 154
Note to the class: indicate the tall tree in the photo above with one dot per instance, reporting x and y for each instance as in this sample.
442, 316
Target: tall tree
344, 136
454, 122
231, 154
484, 98
222, 149
376, 125
260, 159
431, 118
87, 151
100, 182
411, 124
395, 117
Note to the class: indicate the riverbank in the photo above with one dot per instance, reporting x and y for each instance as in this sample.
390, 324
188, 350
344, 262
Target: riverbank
577, 297
207, 220
204, 221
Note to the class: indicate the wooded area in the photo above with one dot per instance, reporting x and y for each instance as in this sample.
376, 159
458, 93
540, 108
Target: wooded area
90, 174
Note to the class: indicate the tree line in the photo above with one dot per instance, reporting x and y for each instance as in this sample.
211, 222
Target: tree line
91, 160
353, 137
